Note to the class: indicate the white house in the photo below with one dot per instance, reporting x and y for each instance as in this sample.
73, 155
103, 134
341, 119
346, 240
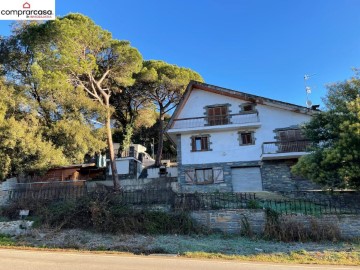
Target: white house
232, 141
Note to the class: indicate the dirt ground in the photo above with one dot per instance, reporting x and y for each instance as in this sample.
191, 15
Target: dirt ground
170, 244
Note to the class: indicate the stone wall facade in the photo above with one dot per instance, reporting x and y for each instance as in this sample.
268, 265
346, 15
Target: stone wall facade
225, 186
230, 221
276, 176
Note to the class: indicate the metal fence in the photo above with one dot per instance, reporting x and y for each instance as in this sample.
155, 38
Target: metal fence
145, 197
308, 207
190, 201
48, 193
213, 201
285, 147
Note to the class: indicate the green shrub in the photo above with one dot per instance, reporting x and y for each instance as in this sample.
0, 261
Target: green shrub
5, 240
253, 204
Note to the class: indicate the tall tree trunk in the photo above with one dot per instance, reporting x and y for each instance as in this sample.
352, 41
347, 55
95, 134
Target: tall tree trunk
111, 149
161, 138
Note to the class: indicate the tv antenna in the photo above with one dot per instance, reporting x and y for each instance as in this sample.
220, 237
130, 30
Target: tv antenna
308, 89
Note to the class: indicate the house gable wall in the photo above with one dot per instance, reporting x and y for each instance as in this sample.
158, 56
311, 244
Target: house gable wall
225, 144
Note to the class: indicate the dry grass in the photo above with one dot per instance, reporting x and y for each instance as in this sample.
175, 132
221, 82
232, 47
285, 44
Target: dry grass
299, 257
211, 247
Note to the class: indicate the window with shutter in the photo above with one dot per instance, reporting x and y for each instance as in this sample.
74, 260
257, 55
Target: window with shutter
200, 143
218, 115
291, 140
218, 175
290, 135
204, 176
246, 138
190, 176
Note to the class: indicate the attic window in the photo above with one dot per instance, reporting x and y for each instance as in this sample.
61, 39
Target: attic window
247, 108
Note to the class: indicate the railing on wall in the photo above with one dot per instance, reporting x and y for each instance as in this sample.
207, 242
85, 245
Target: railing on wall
51, 193
127, 153
285, 147
190, 201
216, 120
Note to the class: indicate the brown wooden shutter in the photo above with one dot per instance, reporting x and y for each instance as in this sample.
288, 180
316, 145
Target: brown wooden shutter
190, 176
204, 143
218, 175
193, 144
283, 136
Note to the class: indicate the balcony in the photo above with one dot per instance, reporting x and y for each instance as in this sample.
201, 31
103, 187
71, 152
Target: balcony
284, 150
223, 122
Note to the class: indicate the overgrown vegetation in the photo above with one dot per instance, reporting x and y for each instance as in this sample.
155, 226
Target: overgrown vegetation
334, 161
5, 240
103, 213
289, 229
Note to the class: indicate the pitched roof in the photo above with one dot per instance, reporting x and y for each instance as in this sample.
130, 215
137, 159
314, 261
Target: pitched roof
236, 94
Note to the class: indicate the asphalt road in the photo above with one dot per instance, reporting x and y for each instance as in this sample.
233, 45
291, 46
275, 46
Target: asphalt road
42, 260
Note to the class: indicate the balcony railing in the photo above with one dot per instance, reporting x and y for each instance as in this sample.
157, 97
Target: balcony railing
285, 147
230, 119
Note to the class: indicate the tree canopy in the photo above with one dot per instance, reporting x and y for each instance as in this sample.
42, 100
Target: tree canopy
23, 147
63, 66
94, 62
334, 161
61, 76
164, 84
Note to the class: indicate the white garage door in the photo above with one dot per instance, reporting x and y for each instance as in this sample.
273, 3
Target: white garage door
246, 179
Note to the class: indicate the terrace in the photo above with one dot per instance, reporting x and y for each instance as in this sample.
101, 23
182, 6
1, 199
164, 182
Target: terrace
284, 150
211, 123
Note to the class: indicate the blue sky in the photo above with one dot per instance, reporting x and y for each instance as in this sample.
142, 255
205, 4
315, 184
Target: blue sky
260, 47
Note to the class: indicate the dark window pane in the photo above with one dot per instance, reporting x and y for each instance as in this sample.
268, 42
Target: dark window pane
248, 108
246, 138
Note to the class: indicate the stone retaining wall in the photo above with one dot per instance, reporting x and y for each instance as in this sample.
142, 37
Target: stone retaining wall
16, 227
230, 221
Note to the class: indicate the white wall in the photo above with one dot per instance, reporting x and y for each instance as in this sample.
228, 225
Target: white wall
198, 99
122, 166
225, 145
